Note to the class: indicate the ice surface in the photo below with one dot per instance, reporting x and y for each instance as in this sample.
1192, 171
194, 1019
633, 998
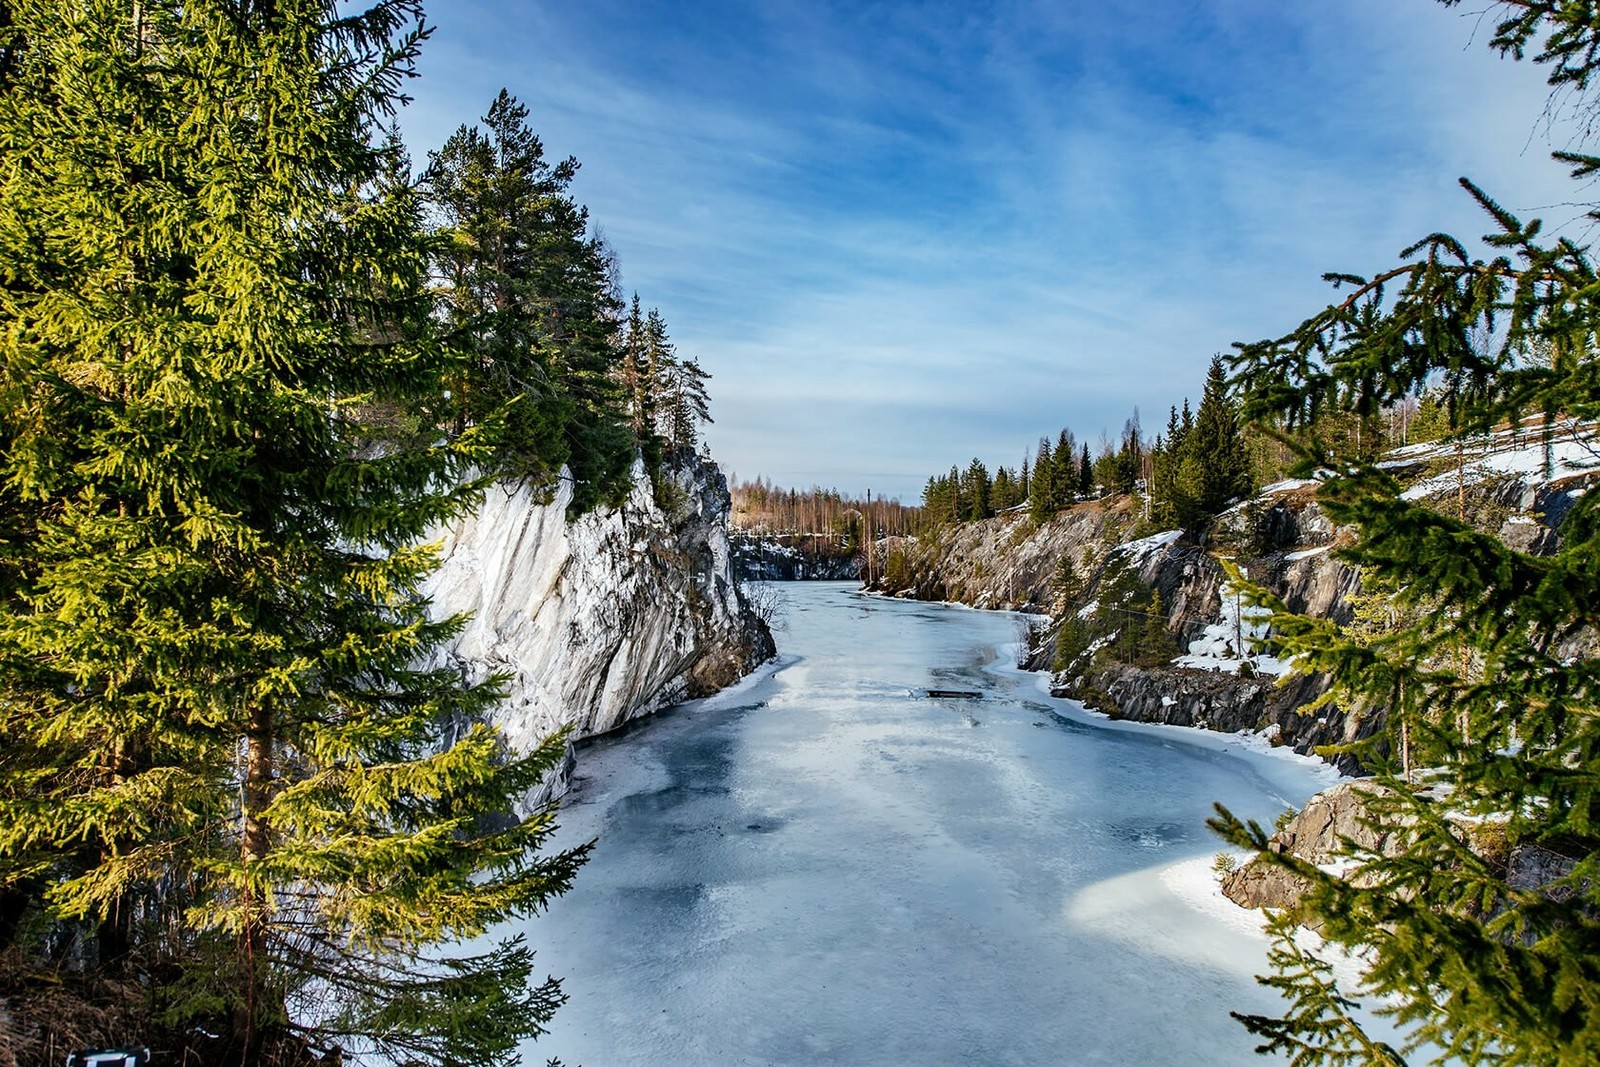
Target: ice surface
825, 867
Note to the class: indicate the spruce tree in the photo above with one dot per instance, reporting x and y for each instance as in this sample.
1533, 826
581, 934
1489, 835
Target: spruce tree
1156, 643
1162, 512
1189, 486
635, 374
687, 405
1177, 431
1062, 490
527, 290
216, 749
1216, 444
933, 498
660, 373
1169, 506
1042, 488
975, 491
1475, 949
1066, 586
1002, 493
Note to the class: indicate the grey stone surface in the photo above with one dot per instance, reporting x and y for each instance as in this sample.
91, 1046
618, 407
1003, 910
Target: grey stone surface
602, 619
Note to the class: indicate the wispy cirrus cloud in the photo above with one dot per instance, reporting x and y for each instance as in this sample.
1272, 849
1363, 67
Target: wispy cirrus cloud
900, 235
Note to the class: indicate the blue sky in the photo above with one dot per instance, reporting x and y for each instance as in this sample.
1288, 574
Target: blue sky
901, 234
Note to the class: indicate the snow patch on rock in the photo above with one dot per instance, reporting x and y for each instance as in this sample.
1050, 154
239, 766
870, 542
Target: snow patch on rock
1144, 546
1228, 644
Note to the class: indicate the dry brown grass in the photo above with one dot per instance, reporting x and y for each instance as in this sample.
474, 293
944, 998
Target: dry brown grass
46, 1014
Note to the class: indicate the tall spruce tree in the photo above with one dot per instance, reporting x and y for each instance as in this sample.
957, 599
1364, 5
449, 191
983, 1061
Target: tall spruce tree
635, 375
1003, 493
660, 372
1491, 654
527, 290
1063, 491
1216, 443
686, 405
1042, 486
960, 502
1166, 508
975, 487
216, 751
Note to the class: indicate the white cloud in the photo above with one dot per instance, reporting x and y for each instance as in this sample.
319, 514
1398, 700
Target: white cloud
900, 237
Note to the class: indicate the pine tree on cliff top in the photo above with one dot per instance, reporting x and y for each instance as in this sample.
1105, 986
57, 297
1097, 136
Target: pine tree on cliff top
687, 405
1062, 489
1494, 656
1042, 486
216, 750
527, 291
1217, 445
635, 375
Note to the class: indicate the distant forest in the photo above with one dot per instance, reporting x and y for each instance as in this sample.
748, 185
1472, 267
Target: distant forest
820, 522
1203, 458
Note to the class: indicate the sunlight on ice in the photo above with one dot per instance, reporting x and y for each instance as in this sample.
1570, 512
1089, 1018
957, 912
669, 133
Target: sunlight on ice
1176, 911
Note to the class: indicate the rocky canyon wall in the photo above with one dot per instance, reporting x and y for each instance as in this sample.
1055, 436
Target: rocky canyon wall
1146, 625
601, 619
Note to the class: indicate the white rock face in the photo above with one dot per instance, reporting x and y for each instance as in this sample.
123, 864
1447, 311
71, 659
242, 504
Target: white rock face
599, 620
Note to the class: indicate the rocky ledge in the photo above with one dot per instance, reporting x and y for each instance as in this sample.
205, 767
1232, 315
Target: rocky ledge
1146, 626
1337, 823
1331, 822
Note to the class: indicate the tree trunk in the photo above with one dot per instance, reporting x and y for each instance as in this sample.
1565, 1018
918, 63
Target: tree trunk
114, 933
14, 905
1405, 750
255, 841
1461, 649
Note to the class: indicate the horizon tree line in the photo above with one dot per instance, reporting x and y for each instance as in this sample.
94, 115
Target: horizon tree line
843, 520
1185, 474
1202, 461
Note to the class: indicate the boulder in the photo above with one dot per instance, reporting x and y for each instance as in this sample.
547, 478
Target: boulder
1320, 833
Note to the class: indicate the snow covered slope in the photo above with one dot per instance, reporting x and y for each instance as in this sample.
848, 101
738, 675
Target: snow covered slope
1530, 455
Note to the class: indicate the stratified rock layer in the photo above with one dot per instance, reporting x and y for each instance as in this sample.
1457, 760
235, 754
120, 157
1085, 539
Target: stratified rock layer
1339, 822
601, 619
1319, 834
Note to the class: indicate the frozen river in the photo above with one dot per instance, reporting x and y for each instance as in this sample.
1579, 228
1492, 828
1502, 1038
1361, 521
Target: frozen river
826, 866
